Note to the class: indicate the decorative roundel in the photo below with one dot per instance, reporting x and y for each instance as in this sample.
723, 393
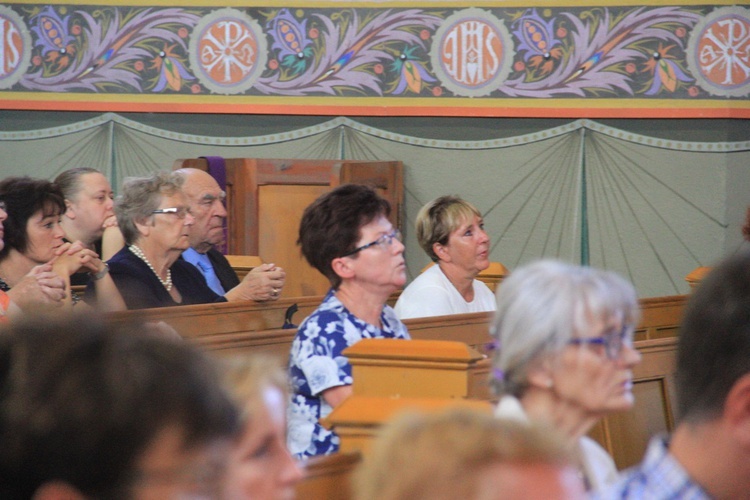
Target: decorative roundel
228, 51
472, 53
15, 47
719, 52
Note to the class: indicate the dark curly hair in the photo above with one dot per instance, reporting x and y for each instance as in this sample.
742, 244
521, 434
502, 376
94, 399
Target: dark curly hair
23, 197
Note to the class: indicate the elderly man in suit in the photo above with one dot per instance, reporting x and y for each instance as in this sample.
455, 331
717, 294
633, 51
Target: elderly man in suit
206, 201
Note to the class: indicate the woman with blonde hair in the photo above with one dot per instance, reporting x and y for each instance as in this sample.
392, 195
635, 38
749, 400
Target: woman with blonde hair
260, 466
451, 231
465, 454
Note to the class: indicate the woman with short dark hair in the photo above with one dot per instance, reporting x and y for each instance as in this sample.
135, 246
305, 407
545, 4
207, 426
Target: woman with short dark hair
33, 237
346, 235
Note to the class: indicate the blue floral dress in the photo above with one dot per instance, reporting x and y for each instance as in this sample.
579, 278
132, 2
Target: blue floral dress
316, 364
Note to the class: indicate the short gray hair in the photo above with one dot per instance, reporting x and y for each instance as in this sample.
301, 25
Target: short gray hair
140, 197
542, 306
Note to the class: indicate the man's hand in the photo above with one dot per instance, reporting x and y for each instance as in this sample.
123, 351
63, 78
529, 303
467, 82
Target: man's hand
40, 288
261, 284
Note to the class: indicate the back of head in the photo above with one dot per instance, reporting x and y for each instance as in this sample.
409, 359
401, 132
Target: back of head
714, 342
439, 218
23, 197
140, 196
543, 305
82, 400
330, 226
441, 456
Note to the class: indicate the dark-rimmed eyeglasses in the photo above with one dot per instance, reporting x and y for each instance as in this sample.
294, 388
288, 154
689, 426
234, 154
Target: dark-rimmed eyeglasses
384, 242
613, 341
180, 212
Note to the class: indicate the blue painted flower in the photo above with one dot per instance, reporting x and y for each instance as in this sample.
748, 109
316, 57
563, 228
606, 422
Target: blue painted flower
290, 39
52, 31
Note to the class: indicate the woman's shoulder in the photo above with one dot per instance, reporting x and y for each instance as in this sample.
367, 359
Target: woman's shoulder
599, 466
125, 262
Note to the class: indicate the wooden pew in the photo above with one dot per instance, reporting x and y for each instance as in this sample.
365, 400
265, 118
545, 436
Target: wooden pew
256, 327
328, 477
248, 327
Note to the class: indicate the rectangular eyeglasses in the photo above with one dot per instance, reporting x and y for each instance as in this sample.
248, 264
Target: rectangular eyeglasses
613, 341
384, 242
180, 212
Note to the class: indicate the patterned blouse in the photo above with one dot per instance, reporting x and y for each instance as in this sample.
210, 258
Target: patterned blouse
316, 364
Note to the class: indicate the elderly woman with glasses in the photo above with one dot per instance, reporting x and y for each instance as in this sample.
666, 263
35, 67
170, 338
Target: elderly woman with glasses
565, 353
451, 231
346, 235
155, 221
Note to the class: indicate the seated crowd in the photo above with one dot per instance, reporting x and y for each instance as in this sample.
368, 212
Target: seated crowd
126, 411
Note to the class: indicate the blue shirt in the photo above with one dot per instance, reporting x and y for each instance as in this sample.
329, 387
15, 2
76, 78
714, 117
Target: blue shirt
316, 363
660, 476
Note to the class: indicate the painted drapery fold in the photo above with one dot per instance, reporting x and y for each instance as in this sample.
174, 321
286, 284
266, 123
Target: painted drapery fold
654, 209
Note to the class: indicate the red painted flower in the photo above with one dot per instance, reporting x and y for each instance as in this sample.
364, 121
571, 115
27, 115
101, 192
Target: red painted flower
693, 91
313, 33
561, 32
424, 34
681, 32
630, 67
519, 66
378, 69
37, 60
138, 65
437, 91
75, 29
195, 88
273, 64
182, 32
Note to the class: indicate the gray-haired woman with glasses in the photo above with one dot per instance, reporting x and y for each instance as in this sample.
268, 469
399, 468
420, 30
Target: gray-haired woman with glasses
346, 235
565, 353
155, 221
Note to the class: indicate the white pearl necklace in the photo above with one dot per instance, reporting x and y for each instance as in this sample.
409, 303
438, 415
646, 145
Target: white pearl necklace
139, 253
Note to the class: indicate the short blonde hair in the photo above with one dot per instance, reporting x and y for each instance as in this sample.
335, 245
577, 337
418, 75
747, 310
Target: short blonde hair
247, 376
440, 456
439, 218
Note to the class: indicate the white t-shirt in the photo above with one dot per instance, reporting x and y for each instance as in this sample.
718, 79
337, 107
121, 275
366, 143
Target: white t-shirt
432, 294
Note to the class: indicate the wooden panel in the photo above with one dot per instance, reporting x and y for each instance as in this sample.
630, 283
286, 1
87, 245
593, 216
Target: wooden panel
328, 477
243, 264
472, 329
420, 368
660, 317
280, 209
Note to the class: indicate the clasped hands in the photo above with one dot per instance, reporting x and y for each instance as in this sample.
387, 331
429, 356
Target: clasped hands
261, 284
46, 284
